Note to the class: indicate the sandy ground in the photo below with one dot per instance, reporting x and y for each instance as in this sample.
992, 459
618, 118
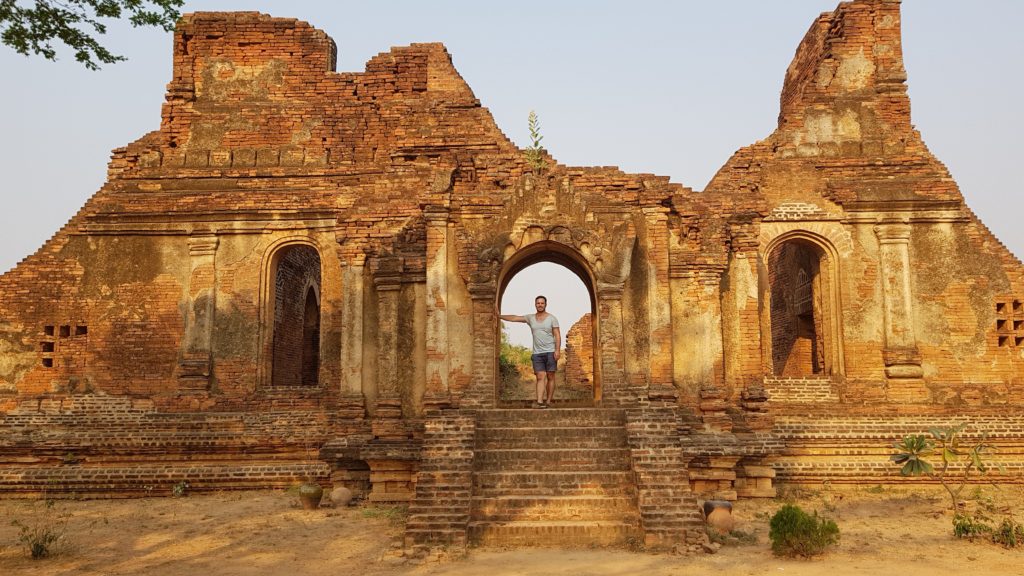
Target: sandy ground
883, 531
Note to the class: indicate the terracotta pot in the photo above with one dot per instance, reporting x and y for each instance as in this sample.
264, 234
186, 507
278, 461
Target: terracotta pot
712, 505
310, 494
718, 514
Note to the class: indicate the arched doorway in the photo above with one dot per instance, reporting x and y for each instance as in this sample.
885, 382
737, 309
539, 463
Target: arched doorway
559, 273
295, 332
803, 327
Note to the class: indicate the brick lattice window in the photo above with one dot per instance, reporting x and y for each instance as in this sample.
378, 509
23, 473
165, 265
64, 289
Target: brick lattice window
64, 339
1010, 322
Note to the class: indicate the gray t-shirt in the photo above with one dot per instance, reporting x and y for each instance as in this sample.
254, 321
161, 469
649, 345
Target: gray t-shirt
543, 335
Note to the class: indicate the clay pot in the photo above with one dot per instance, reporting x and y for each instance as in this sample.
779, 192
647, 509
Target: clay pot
711, 505
718, 514
310, 494
341, 496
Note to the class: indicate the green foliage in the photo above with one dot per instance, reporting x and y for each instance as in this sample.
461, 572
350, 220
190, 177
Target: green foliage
180, 489
914, 452
534, 153
970, 527
1009, 534
797, 533
511, 357
33, 29
44, 531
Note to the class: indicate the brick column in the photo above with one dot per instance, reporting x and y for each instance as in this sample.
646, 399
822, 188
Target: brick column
482, 393
659, 306
900, 354
741, 315
613, 363
195, 363
697, 323
437, 392
388, 408
351, 402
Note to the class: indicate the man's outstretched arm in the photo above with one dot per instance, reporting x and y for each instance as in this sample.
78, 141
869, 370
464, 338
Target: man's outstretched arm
512, 318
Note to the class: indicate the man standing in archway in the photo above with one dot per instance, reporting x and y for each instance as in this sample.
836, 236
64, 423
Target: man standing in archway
547, 343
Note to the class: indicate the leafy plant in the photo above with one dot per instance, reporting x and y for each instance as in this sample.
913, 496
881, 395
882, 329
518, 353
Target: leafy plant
1009, 534
180, 489
44, 531
797, 533
34, 29
534, 153
970, 526
915, 452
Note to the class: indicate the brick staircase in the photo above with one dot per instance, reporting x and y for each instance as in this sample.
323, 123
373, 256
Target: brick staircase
555, 477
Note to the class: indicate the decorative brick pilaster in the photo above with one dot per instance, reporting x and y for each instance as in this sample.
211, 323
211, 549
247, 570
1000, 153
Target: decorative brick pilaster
900, 354
437, 394
351, 402
482, 393
387, 414
613, 381
659, 306
195, 361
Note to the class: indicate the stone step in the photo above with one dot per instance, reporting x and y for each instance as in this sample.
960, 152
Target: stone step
563, 438
565, 533
92, 442
594, 483
551, 418
534, 508
156, 479
552, 459
427, 537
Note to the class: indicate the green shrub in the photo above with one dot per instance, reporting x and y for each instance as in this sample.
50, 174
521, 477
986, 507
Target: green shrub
797, 533
1009, 534
970, 527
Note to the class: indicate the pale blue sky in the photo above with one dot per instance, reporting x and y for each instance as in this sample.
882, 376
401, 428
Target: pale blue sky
672, 88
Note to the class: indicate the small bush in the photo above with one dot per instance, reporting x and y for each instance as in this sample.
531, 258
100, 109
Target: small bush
970, 527
180, 489
1009, 534
797, 533
44, 531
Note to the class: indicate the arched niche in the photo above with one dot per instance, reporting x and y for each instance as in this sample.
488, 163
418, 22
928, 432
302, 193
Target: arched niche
291, 319
801, 319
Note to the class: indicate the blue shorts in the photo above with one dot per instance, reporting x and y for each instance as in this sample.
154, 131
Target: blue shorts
544, 362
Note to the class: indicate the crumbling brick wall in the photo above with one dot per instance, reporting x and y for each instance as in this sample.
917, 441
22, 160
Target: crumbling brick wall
579, 354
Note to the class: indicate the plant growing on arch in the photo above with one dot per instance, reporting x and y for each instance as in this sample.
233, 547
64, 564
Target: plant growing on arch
534, 153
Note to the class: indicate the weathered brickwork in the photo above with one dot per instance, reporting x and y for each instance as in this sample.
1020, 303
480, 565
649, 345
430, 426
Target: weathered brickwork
298, 275
579, 355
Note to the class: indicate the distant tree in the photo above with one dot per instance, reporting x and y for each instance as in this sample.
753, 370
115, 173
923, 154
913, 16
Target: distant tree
31, 29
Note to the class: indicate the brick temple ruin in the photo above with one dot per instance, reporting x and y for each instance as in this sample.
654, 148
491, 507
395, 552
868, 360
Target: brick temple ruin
297, 275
